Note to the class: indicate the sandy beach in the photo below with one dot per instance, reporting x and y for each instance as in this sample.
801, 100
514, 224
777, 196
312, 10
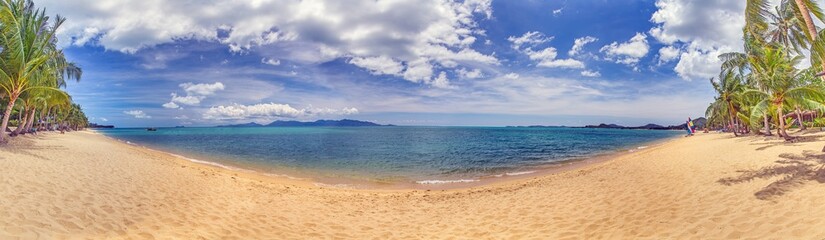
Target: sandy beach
710, 186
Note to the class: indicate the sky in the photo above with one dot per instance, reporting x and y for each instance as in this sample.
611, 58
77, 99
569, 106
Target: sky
405, 62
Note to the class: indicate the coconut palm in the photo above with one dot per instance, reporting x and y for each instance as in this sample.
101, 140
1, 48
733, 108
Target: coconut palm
780, 86
729, 88
786, 29
26, 37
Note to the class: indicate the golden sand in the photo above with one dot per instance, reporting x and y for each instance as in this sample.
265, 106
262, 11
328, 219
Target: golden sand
710, 186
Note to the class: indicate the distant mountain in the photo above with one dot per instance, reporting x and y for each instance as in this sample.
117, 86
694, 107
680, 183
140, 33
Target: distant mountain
252, 124
698, 123
319, 123
604, 126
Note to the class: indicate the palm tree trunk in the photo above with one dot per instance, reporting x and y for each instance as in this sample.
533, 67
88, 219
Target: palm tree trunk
782, 132
5, 124
22, 122
767, 126
799, 119
31, 120
733, 126
809, 24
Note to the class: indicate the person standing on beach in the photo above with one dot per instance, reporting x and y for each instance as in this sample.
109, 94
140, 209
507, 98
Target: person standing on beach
688, 128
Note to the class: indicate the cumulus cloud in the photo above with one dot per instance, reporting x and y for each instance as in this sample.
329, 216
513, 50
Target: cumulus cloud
697, 64
579, 43
667, 54
137, 114
195, 93
269, 111
629, 52
202, 89
588, 73
545, 57
703, 29
407, 31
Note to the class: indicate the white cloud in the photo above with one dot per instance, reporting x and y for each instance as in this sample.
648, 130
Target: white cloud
186, 100
271, 61
562, 63
195, 93
406, 31
137, 114
442, 82
696, 64
667, 54
545, 57
379, 65
528, 38
511, 76
707, 24
269, 111
703, 29
470, 74
629, 52
579, 43
171, 105
202, 89
557, 12
588, 73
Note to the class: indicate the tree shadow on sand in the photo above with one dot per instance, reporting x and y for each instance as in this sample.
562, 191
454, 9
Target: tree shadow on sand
796, 169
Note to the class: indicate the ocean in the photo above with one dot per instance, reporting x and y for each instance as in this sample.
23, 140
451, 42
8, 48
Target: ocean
417, 155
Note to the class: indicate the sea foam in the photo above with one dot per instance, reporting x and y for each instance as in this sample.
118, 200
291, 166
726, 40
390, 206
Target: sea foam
446, 181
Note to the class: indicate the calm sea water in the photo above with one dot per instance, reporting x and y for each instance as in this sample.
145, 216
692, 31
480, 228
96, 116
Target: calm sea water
411, 154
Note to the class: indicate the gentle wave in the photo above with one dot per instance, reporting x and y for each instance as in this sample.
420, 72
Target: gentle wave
514, 173
519, 173
446, 181
207, 162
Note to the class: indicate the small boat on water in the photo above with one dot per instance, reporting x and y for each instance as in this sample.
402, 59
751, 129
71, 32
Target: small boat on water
152, 129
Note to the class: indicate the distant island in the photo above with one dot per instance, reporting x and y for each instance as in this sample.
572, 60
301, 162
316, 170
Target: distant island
95, 125
698, 123
319, 123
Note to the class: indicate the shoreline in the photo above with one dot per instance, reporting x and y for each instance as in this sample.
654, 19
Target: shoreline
317, 179
84, 185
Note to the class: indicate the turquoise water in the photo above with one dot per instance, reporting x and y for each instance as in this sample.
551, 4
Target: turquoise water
406, 154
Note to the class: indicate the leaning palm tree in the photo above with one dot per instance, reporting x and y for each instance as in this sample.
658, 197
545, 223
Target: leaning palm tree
728, 88
25, 37
781, 86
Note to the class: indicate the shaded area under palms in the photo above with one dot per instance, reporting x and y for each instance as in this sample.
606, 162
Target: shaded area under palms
795, 170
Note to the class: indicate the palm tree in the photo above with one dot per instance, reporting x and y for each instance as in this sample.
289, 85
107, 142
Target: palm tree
785, 29
25, 37
729, 88
780, 85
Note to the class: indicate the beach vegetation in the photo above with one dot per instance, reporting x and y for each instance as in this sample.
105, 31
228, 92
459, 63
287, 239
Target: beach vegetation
768, 80
34, 72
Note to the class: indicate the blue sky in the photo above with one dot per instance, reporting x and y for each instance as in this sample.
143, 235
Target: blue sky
402, 62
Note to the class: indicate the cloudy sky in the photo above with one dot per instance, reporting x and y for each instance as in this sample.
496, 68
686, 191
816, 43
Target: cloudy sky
406, 62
